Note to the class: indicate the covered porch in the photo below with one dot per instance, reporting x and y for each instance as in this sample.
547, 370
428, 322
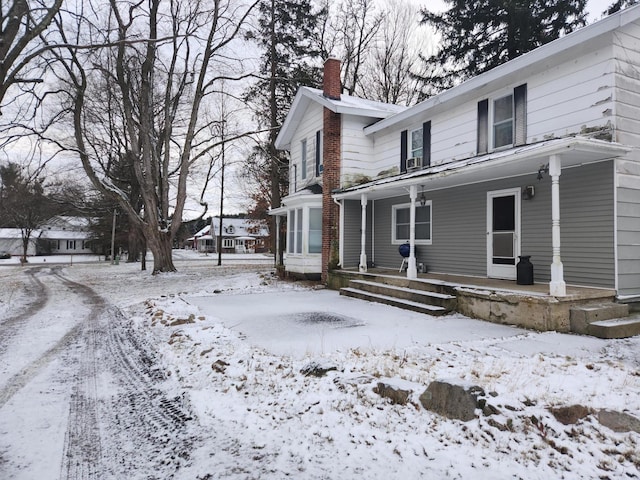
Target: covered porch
497, 185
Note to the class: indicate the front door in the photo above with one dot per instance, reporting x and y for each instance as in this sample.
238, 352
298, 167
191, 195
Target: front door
503, 233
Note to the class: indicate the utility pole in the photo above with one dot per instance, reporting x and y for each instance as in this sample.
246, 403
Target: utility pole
219, 238
113, 238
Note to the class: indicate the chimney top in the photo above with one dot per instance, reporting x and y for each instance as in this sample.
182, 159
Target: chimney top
331, 86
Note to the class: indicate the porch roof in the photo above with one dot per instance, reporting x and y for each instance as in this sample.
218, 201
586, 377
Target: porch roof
528, 159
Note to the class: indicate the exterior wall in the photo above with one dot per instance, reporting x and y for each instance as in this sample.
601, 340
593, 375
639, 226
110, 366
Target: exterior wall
563, 98
628, 227
307, 130
573, 97
357, 152
351, 242
627, 110
459, 217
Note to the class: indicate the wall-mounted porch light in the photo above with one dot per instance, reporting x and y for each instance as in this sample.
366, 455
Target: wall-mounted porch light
423, 199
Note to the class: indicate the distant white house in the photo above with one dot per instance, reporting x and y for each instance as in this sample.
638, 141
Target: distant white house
11, 242
61, 235
65, 235
239, 235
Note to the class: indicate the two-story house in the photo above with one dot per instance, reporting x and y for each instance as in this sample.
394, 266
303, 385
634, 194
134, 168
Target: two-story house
537, 157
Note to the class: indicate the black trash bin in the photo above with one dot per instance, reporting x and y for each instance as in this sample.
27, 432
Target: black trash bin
524, 271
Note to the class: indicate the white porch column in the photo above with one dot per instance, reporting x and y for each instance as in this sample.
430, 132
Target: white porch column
278, 260
412, 271
557, 286
362, 267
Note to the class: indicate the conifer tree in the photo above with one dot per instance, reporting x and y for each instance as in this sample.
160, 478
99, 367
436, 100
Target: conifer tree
287, 34
482, 34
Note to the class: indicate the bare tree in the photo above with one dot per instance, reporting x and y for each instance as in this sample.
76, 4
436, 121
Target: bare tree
136, 76
21, 24
350, 33
394, 64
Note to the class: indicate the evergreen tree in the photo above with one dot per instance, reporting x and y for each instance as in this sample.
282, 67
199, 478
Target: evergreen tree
619, 5
482, 34
287, 34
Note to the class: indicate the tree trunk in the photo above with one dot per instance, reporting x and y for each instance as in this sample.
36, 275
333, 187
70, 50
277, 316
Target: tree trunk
160, 245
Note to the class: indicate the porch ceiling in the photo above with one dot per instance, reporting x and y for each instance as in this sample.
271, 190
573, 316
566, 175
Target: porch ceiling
526, 160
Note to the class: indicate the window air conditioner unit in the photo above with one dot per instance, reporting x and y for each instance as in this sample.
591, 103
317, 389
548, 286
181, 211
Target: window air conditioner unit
414, 163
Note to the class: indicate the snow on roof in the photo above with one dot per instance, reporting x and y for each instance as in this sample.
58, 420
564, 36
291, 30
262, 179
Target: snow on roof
347, 104
235, 227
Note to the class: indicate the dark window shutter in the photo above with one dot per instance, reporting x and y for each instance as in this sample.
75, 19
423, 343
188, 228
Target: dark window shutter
426, 144
483, 126
520, 114
403, 151
318, 140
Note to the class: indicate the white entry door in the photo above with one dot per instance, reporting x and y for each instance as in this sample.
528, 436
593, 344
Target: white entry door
503, 233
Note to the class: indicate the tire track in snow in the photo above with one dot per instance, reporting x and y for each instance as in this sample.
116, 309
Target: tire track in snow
37, 290
155, 423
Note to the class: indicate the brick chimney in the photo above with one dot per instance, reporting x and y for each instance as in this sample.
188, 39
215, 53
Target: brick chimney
332, 163
331, 86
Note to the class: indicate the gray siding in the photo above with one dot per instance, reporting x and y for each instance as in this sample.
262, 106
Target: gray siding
459, 227
351, 241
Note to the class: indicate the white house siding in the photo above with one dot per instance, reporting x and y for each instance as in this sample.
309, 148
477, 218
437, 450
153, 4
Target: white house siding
307, 129
572, 97
358, 163
459, 227
627, 54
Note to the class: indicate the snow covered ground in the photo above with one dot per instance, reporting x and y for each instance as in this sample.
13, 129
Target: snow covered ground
198, 375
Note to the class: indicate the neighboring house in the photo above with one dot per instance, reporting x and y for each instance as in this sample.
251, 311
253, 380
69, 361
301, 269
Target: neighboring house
65, 235
60, 235
11, 242
239, 235
538, 157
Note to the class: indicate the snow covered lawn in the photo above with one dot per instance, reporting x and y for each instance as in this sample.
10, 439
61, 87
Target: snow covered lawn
233, 343
240, 353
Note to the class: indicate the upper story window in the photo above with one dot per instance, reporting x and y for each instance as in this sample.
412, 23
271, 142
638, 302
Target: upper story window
319, 153
503, 121
415, 148
415, 145
303, 159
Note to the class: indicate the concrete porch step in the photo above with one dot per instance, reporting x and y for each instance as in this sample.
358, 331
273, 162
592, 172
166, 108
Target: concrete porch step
406, 293
394, 301
615, 328
604, 320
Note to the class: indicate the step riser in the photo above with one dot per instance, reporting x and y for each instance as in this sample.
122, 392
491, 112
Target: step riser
406, 283
580, 318
362, 295
614, 331
447, 303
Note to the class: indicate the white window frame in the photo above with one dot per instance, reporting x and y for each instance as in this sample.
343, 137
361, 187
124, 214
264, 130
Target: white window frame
492, 123
298, 231
228, 243
411, 152
303, 158
319, 151
308, 229
399, 241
